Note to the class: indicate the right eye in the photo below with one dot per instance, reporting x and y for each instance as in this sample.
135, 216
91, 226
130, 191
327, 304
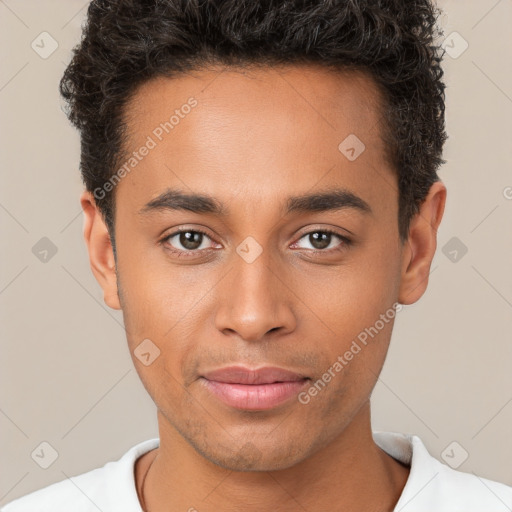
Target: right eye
187, 241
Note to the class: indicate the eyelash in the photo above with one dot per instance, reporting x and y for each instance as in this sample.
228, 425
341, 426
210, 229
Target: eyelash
345, 242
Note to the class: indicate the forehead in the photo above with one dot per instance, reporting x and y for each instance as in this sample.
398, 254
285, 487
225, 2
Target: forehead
268, 130
294, 96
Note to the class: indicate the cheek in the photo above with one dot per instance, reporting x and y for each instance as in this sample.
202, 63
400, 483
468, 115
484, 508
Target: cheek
157, 296
166, 309
354, 308
349, 298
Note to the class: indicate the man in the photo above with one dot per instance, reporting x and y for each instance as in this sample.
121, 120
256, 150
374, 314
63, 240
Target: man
261, 199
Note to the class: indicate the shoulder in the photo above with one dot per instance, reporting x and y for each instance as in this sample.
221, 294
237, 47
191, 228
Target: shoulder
110, 488
467, 492
433, 485
58, 496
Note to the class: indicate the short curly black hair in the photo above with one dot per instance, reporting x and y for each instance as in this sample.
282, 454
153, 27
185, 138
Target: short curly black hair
128, 42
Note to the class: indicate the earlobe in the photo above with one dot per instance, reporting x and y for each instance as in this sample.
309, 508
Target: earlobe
421, 245
101, 254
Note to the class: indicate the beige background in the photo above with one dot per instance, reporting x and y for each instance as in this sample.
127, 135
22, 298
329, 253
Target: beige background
66, 374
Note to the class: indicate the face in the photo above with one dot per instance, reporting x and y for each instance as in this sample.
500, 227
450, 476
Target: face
289, 256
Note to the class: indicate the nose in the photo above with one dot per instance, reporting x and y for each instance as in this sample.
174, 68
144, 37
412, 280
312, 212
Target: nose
255, 300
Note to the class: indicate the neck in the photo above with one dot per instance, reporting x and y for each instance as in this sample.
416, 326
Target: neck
351, 471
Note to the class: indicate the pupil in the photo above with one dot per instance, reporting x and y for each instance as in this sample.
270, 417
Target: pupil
190, 239
320, 240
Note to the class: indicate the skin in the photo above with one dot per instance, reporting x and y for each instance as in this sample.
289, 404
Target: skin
255, 138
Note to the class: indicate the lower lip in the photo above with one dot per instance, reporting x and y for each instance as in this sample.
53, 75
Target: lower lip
255, 396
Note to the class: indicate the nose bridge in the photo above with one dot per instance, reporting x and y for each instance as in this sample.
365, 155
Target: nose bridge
254, 300
255, 272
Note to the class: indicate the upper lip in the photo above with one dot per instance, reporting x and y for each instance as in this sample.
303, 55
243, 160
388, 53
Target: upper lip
244, 375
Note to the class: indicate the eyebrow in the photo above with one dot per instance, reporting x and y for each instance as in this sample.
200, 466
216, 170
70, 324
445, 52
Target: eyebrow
333, 199
323, 201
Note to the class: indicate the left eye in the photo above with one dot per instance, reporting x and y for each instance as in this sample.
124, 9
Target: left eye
321, 240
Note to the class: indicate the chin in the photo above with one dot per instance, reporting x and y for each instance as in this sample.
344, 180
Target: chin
250, 457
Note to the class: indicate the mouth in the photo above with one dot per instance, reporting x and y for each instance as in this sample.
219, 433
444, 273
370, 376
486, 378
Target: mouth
254, 389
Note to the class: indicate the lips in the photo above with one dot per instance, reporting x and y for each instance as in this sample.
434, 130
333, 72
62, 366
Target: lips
243, 375
254, 389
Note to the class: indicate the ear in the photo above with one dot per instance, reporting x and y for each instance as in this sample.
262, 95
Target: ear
101, 254
420, 247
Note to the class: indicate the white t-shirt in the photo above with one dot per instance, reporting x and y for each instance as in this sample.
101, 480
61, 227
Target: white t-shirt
431, 487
